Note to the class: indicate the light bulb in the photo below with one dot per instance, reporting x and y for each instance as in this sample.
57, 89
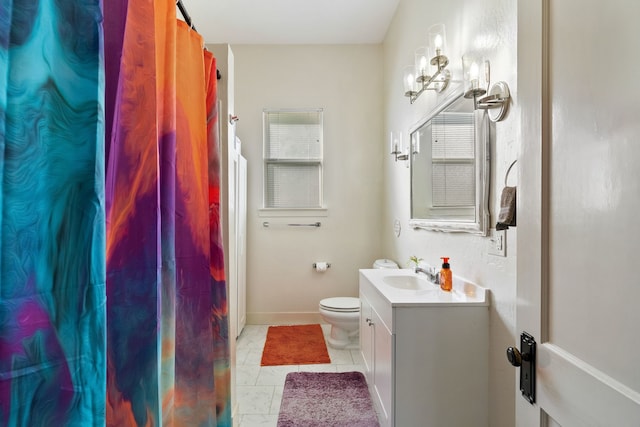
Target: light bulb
423, 65
437, 42
473, 75
410, 80
473, 71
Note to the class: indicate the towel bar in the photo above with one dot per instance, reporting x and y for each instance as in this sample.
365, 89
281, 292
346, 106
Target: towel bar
314, 224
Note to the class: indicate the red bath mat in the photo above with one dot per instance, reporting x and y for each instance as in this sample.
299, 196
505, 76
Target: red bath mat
295, 345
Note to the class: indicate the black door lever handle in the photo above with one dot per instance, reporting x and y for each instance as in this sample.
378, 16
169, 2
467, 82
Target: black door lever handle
525, 358
514, 356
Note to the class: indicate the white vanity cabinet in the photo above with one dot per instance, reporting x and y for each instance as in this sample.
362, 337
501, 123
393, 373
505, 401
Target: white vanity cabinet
425, 353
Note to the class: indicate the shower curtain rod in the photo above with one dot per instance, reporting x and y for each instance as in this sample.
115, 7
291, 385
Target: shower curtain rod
185, 14
187, 19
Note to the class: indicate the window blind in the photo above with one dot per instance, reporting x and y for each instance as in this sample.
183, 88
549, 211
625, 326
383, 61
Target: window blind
293, 159
453, 153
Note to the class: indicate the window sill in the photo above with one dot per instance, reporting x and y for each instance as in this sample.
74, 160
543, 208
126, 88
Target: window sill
292, 213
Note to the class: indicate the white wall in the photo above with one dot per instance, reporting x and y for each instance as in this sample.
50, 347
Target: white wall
470, 24
346, 82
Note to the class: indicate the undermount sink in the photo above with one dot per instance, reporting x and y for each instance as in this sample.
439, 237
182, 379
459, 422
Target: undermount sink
411, 283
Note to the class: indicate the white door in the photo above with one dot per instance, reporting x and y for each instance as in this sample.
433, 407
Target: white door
237, 238
579, 209
241, 245
232, 253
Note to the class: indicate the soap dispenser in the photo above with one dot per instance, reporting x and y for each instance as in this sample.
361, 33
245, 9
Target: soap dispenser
446, 279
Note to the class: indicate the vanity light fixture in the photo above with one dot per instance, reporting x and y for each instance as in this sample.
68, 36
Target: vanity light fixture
476, 76
416, 77
396, 146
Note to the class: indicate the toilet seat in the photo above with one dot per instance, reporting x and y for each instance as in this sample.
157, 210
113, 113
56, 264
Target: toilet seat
341, 304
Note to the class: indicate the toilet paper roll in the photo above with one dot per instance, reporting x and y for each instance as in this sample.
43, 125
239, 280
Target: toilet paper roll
321, 266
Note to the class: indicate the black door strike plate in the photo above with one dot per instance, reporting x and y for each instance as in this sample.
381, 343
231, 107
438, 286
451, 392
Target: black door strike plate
528, 368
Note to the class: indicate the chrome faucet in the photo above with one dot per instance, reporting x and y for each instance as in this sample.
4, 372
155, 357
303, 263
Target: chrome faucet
432, 275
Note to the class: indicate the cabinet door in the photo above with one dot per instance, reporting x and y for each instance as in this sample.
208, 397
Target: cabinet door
366, 336
383, 368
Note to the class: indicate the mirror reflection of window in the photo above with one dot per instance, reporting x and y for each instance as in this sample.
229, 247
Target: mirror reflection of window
452, 160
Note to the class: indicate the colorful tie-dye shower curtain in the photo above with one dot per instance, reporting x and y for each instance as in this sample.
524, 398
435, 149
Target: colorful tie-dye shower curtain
52, 229
112, 297
167, 340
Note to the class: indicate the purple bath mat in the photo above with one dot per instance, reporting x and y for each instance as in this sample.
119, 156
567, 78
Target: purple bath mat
321, 399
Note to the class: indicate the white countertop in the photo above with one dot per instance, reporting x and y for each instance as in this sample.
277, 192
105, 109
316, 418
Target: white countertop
464, 293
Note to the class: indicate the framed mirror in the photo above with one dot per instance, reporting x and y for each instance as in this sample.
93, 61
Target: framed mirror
450, 169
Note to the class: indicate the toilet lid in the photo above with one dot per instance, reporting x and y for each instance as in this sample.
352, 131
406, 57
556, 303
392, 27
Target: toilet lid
342, 304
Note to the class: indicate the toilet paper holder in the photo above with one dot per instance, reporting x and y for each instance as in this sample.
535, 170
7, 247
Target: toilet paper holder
315, 265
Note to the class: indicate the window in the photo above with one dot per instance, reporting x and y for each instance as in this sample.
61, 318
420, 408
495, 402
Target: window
292, 159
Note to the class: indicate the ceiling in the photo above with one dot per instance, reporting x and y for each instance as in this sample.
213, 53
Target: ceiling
291, 21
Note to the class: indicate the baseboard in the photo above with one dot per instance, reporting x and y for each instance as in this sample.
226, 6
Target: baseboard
289, 318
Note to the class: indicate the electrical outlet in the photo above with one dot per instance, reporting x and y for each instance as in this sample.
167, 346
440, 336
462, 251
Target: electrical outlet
497, 242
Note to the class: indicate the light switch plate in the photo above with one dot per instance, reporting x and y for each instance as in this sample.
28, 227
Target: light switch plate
497, 242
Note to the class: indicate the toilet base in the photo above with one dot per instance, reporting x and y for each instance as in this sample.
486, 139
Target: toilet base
340, 339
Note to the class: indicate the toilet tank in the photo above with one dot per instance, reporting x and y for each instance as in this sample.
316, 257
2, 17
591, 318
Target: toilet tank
384, 263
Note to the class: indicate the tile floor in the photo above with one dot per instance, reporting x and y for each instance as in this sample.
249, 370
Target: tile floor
259, 388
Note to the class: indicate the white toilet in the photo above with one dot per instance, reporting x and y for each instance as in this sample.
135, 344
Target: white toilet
343, 314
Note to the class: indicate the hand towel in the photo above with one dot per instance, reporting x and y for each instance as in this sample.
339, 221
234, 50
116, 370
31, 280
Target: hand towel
507, 215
